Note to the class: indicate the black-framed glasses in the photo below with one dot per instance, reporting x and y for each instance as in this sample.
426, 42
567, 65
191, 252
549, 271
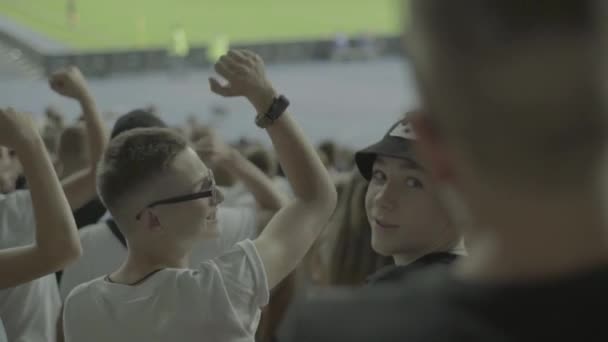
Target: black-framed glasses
211, 192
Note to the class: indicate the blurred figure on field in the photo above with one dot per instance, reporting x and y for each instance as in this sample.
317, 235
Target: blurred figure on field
179, 49
72, 15
341, 47
218, 47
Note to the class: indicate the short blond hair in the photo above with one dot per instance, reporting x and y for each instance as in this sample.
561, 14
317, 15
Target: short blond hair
132, 158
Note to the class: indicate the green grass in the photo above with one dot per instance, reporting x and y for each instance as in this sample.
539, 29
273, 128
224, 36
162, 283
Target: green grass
114, 23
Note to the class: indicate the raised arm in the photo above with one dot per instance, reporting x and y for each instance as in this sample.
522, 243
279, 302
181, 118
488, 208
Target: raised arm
292, 231
80, 188
211, 148
57, 242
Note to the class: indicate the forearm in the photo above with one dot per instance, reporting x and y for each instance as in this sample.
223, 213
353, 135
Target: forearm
294, 228
97, 137
306, 173
260, 186
80, 188
56, 232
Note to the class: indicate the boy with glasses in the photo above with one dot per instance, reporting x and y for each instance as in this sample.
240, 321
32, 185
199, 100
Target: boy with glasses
163, 199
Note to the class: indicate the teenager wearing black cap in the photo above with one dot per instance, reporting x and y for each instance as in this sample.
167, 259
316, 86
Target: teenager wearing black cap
517, 128
407, 219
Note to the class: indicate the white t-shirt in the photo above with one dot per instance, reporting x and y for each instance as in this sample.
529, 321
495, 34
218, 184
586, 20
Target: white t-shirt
103, 253
218, 301
3, 337
29, 311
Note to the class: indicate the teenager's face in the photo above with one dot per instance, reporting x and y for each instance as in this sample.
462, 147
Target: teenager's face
403, 210
189, 220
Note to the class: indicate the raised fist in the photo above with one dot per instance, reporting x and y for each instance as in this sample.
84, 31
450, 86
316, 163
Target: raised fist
69, 82
212, 149
245, 74
16, 128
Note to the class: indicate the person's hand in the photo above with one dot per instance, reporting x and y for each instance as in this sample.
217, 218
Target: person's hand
16, 129
69, 82
245, 74
212, 149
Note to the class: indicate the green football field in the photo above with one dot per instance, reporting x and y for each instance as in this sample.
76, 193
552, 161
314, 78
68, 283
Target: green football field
104, 24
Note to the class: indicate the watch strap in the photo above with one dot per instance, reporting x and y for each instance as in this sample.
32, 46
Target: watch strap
277, 108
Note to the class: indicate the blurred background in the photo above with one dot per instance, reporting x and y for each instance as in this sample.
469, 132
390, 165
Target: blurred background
339, 61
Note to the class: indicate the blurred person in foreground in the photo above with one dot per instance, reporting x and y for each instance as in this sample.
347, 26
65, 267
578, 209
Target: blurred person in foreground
515, 134
30, 311
163, 198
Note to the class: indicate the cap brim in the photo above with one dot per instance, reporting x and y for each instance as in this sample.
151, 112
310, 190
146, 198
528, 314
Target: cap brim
389, 147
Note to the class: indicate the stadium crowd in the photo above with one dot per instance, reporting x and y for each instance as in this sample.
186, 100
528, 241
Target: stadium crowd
478, 216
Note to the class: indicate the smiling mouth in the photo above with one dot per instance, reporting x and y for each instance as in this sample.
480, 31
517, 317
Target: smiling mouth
385, 225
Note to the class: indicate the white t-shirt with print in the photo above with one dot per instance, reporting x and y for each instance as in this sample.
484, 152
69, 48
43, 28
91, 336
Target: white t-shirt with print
29, 311
103, 253
220, 300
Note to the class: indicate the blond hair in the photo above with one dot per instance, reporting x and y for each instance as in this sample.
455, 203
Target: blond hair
132, 158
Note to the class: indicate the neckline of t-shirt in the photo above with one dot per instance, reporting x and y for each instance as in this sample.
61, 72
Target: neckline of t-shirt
136, 283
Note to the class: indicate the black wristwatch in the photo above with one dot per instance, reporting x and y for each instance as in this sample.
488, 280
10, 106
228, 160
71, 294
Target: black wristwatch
278, 107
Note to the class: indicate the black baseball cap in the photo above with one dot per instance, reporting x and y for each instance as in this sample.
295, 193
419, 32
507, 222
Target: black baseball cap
398, 142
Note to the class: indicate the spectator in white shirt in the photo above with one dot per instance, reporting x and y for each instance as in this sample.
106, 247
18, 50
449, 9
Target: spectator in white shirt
39, 239
105, 247
163, 199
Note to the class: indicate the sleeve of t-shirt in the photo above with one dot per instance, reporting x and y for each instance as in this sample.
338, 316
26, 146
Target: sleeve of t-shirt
242, 279
30, 310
